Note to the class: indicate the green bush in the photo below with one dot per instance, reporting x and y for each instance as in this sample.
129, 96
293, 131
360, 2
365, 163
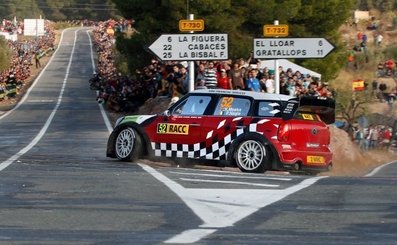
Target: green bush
5, 54
390, 52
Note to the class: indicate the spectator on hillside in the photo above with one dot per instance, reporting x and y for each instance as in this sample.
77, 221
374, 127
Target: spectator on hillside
382, 91
378, 40
374, 91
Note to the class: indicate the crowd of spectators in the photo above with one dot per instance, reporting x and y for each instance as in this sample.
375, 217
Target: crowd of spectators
24, 54
372, 137
11, 26
171, 79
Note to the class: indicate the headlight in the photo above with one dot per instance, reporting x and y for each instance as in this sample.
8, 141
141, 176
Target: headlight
119, 120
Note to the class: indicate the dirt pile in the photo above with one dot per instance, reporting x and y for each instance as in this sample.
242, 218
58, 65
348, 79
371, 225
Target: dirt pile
349, 160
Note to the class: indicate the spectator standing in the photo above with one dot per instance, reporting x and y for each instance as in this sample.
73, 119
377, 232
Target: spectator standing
270, 84
210, 76
374, 88
374, 137
200, 84
358, 137
200, 76
172, 79
37, 59
224, 81
382, 89
378, 40
291, 86
283, 85
386, 135
252, 83
237, 77
181, 84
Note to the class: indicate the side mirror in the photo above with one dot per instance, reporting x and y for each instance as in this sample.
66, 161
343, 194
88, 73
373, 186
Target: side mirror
167, 113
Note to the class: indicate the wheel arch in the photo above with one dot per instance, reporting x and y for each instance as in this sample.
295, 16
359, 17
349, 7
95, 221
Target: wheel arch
141, 132
272, 157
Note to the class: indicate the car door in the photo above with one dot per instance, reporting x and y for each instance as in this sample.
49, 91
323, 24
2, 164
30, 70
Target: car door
230, 118
179, 134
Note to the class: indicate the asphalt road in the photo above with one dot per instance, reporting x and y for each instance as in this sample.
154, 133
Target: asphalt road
57, 186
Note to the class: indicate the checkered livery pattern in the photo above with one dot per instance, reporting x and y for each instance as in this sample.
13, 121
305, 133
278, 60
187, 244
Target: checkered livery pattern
217, 141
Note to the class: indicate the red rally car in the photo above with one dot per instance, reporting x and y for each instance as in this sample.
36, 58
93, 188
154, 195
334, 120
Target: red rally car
255, 131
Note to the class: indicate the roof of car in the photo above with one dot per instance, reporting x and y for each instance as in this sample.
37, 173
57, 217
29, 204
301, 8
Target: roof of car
254, 95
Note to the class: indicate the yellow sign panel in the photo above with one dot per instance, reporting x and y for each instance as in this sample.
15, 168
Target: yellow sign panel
169, 128
307, 117
275, 30
191, 25
315, 159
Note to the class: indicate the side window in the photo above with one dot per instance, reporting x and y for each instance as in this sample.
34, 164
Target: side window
193, 105
269, 109
231, 106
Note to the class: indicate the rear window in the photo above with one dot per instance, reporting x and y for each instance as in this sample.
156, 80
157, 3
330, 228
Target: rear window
269, 109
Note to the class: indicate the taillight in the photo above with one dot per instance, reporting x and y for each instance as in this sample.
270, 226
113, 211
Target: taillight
283, 132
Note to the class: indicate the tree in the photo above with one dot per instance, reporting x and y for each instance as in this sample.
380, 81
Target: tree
58, 10
5, 54
352, 105
242, 20
19, 8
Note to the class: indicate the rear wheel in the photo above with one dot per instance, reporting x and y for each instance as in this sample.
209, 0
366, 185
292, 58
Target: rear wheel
251, 156
128, 145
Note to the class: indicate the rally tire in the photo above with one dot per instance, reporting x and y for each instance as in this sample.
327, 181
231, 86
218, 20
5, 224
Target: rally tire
128, 145
251, 156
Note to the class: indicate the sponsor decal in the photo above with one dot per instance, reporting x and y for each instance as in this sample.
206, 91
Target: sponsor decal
170, 128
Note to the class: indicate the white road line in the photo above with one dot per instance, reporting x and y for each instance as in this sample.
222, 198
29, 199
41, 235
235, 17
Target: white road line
219, 208
376, 170
231, 176
40, 101
229, 182
36, 139
102, 109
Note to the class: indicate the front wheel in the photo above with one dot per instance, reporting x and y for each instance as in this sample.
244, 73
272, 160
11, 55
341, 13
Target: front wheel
128, 145
251, 156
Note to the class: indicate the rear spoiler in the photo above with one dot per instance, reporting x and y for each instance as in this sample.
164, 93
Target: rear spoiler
322, 106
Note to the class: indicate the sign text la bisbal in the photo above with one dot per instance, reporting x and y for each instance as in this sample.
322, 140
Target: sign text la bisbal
203, 46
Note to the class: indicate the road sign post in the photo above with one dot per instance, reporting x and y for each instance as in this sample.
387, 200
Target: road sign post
190, 47
291, 48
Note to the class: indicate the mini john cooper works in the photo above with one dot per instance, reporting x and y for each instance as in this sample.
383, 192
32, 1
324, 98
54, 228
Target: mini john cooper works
253, 131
